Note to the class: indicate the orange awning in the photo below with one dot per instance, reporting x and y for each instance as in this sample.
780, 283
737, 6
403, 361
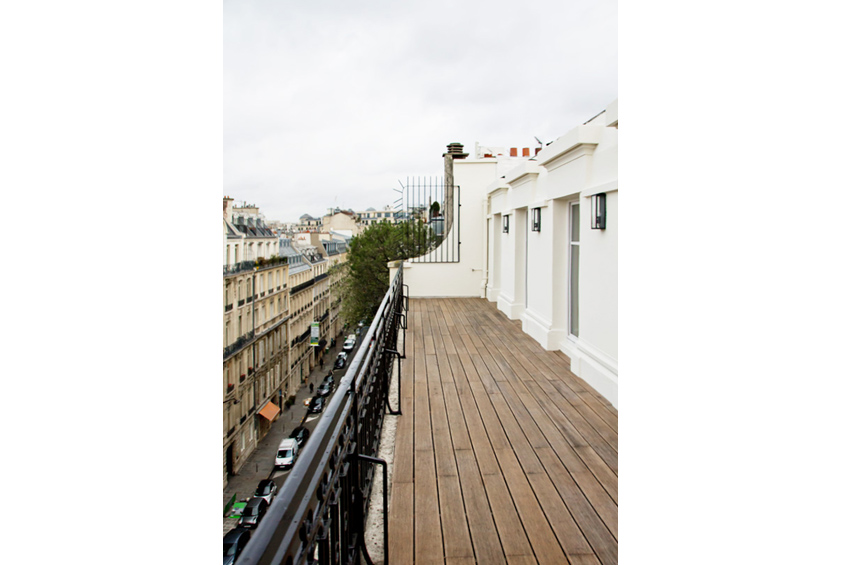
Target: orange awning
270, 411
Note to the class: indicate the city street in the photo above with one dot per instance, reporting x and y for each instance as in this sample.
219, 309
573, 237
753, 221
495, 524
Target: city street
260, 464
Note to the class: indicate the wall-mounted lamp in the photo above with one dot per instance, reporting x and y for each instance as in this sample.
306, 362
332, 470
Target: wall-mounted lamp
536, 219
598, 211
506, 224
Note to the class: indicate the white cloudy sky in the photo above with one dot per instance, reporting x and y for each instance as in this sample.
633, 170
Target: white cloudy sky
329, 103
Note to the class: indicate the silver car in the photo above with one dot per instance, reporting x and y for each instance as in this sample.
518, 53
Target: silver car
266, 490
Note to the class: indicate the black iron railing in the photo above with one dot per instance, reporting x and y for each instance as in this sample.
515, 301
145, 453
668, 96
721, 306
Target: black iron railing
238, 344
321, 509
239, 267
302, 286
431, 207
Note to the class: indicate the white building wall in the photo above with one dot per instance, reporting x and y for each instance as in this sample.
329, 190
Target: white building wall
527, 273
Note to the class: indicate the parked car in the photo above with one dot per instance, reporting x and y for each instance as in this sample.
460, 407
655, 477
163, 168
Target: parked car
234, 542
349, 343
329, 379
287, 453
316, 405
300, 434
253, 512
340, 361
324, 389
266, 490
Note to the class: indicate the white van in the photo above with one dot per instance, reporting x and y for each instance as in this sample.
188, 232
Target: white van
286, 455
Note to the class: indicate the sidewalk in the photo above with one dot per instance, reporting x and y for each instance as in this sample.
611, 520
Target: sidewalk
260, 463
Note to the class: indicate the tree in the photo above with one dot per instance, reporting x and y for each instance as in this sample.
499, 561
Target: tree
367, 263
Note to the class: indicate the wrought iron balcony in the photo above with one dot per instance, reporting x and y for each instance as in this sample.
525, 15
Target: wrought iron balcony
241, 267
302, 286
323, 504
238, 344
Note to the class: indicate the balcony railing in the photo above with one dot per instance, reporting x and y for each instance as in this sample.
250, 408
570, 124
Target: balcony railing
302, 286
238, 344
239, 267
322, 506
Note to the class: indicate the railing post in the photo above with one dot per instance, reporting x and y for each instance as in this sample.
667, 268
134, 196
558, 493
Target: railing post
384, 465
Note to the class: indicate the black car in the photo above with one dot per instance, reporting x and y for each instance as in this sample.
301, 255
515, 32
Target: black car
301, 434
316, 405
234, 542
329, 379
341, 361
266, 490
325, 389
253, 513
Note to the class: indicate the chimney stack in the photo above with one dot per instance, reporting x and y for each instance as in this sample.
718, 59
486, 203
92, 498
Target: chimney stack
513, 152
455, 150
526, 151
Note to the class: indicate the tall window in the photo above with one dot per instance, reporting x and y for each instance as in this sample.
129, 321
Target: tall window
574, 270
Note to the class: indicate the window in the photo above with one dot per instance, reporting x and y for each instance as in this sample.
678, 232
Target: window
506, 224
573, 282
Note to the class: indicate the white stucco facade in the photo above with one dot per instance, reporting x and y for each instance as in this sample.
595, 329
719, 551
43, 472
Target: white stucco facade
560, 279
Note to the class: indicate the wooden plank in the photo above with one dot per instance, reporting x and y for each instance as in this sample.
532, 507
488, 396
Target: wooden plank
514, 431
445, 463
454, 522
601, 536
401, 528
566, 529
544, 543
486, 543
510, 529
428, 541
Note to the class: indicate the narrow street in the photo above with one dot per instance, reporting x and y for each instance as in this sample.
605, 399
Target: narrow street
260, 464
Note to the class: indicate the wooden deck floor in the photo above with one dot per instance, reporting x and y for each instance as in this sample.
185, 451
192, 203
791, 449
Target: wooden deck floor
502, 455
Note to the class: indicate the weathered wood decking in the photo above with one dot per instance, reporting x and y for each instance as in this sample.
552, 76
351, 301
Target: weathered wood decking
502, 455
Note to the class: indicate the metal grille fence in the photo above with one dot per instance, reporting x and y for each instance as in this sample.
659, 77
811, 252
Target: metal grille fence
435, 205
320, 513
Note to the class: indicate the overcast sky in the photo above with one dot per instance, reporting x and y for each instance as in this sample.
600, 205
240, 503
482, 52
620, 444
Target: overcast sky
330, 103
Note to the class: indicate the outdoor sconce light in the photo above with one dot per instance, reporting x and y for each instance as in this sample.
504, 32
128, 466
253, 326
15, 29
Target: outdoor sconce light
598, 211
506, 224
536, 219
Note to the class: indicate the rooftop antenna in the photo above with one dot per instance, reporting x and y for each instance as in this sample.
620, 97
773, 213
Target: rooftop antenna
541, 143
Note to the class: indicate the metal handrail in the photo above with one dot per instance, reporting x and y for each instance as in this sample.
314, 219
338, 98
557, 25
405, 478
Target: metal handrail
323, 503
238, 344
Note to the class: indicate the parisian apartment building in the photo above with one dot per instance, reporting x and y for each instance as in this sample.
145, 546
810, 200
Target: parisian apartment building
275, 288
255, 331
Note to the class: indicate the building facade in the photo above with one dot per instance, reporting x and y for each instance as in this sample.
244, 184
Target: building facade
371, 216
540, 238
255, 334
